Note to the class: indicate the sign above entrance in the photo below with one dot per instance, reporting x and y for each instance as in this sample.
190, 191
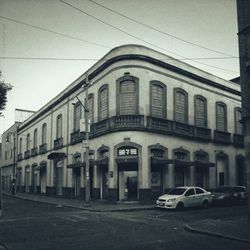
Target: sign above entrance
127, 151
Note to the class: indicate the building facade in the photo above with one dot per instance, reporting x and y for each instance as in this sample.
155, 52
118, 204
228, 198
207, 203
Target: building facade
155, 123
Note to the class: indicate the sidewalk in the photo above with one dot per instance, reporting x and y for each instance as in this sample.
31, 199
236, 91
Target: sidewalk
94, 206
237, 229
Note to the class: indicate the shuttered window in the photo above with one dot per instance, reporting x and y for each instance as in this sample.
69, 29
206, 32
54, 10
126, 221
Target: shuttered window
127, 97
35, 138
59, 126
44, 133
20, 145
77, 116
158, 100
200, 111
91, 108
221, 117
238, 125
181, 106
103, 103
28, 142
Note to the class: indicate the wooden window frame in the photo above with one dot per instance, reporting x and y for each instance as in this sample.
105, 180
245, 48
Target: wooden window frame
196, 97
44, 133
78, 104
225, 117
176, 90
57, 129
102, 88
237, 109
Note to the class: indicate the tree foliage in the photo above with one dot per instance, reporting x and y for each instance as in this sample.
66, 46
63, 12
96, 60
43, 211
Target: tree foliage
4, 88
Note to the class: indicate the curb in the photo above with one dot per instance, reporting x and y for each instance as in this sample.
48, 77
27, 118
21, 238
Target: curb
218, 235
82, 207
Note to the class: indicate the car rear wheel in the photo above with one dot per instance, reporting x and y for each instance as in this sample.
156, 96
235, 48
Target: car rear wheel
180, 206
205, 204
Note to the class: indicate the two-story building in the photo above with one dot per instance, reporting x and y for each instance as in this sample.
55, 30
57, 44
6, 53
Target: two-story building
155, 123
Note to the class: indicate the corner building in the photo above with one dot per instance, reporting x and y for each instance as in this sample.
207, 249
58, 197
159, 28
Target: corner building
156, 123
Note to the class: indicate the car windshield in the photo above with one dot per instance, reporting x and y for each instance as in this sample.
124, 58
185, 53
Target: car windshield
177, 191
225, 189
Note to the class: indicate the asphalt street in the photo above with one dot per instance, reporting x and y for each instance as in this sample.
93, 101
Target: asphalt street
31, 225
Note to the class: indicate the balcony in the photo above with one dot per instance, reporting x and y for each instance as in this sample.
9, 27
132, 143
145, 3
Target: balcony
27, 154
43, 148
20, 157
34, 151
238, 140
222, 137
76, 137
183, 129
159, 125
58, 143
100, 127
126, 122
202, 133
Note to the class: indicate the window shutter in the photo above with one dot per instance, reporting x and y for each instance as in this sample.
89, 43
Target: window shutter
157, 101
90, 108
127, 97
238, 128
220, 117
103, 104
200, 113
180, 100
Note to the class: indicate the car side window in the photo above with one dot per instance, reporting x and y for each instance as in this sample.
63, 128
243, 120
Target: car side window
199, 191
190, 192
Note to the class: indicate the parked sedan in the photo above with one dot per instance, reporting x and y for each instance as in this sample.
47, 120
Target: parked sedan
229, 195
181, 197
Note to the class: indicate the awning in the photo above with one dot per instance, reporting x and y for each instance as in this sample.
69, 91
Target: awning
102, 161
158, 160
75, 165
126, 159
56, 155
204, 164
183, 163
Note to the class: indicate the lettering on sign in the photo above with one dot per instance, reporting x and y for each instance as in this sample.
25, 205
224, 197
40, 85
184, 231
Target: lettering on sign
127, 151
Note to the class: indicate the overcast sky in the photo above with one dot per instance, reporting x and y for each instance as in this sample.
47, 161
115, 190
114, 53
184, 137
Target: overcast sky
208, 23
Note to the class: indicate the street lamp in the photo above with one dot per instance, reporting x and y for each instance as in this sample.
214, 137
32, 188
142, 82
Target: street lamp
13, 185
85, 143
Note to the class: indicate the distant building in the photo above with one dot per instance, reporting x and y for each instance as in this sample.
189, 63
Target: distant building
156, 123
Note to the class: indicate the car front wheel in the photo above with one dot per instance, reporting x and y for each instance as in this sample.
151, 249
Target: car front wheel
180, 206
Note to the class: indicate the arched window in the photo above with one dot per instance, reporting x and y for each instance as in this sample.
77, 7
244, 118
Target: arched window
157, 99
180, 106
103, 102
200, 111
35, 139
28, 142
91, 108
238, 124
21, 145
221, 116
128, 98
44, 133
59, 126
77, 116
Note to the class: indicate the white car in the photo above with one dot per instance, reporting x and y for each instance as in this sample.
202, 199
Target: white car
181, 197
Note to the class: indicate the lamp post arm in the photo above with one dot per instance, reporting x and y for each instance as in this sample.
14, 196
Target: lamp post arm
85, 109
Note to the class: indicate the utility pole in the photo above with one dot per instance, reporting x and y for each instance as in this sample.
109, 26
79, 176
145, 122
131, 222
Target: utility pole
86, 145
1, 207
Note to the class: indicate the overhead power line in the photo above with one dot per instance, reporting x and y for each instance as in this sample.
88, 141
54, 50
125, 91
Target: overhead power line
54, 32
138, 38
160, 31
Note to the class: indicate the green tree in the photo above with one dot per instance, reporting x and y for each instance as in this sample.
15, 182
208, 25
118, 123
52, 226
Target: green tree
4, 88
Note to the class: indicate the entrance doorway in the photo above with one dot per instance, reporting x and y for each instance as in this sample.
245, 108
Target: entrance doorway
58, 175
240, 171
77, 181
128, 185
104, 182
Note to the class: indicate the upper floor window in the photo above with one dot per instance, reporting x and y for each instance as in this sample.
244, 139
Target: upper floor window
28, 142
59, 126
35, 139
128, 95
201, 156
238, 124
91, 108
77, 116
221, 116
44, 133
21, 145
180, 106
103, 102
181, 154
200, 111
157, 99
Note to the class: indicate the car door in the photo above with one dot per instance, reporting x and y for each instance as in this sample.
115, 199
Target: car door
189, 200
199, 197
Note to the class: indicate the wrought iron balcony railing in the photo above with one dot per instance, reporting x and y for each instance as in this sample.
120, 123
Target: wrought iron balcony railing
58, 143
